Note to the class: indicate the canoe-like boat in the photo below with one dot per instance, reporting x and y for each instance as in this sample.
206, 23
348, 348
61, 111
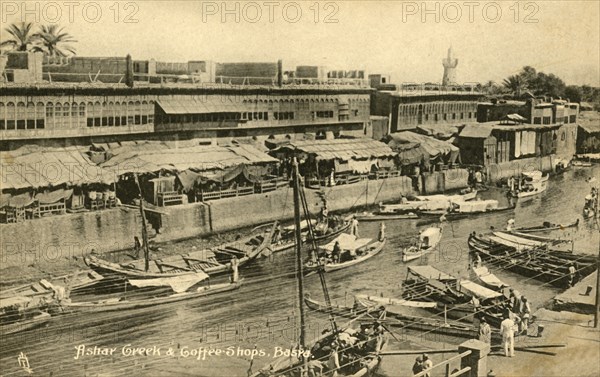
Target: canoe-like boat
488, 279
381, 216
287, 241
213, 261
540, 264
581, 163
424, 202
396, 301
353, 251
364, 353
397, 316
120, 303
546, 227
31, 320
427, 241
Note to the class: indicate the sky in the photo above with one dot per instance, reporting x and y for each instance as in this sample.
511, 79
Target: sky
405, 39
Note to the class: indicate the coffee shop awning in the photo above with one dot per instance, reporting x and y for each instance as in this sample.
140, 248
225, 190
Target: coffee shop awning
410, 153
35, 167
340, 149
199, 158
208, 106
432, 146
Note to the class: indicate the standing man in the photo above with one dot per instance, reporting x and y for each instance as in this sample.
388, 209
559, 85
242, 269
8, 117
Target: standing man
381, 231
417, 366
354, 226
508, 336
485, 331
334, 360
572, 272
427, 365
525, 314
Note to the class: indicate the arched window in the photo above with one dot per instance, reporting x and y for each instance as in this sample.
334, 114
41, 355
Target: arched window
21, 116
11, 116
40, 114
2, 116
130, 113
30, 116
138, 112
58, 115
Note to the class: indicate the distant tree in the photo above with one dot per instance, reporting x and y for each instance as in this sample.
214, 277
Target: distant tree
55, 40
515, 84
21, 38
574, 93
528, 74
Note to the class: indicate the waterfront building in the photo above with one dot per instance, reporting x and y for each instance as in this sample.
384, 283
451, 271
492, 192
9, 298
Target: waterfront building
217, 102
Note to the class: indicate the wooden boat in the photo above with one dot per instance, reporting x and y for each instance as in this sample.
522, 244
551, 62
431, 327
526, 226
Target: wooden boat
425, 202
380, 216
581, 163
353, 251
79, 280
530, 184
17, 315
541, 264
396, 301
213, 262
430, 216
120, 303
397, 317
454, 297
488, 279
546, 227
286, 239
364, 353
427, 241
33, 319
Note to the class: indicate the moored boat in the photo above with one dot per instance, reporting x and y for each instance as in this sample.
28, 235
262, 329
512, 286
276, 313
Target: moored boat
427, 241
16, 315
546, 227
352, 251
488, 279
212, 262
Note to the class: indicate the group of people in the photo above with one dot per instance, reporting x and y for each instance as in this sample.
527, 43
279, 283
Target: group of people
516, 320
476, 178
422, 364
589, 208
347, 349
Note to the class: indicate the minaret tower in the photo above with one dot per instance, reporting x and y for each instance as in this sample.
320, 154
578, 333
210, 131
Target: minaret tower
449, 69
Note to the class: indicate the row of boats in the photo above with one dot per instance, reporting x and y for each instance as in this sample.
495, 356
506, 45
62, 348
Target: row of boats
456, 303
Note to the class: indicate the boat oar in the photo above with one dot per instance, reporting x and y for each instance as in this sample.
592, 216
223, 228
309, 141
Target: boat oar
417, 352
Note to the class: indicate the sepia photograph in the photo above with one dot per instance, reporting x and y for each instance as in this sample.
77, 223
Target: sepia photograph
300, 188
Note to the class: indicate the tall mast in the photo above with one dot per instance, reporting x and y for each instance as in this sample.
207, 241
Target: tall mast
144, 230
299, 271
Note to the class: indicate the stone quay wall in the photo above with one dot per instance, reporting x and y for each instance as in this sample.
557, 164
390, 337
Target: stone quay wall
57, 237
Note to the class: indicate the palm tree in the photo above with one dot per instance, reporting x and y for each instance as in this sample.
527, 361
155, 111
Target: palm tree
21, 38
515, 83
55, 40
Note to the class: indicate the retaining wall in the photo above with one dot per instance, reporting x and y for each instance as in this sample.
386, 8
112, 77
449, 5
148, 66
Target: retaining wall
56, 237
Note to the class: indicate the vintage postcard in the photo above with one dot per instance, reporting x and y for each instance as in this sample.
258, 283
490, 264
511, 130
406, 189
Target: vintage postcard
299, 188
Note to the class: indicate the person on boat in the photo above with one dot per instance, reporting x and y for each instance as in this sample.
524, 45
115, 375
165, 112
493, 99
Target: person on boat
137, 246
478, 261
485, 331
478, 178
572, 272
381, 231
354, 227
324, 212
508, 336
333, 363
418, 365
337, 252
524, 314
427, 365
510, 225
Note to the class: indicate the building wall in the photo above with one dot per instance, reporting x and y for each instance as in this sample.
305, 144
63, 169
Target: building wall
78, 115
496, 172
430, 113
51, 116
56, 237
439, 182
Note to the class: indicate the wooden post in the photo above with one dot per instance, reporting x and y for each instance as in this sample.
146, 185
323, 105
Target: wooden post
597, 303
477, 360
